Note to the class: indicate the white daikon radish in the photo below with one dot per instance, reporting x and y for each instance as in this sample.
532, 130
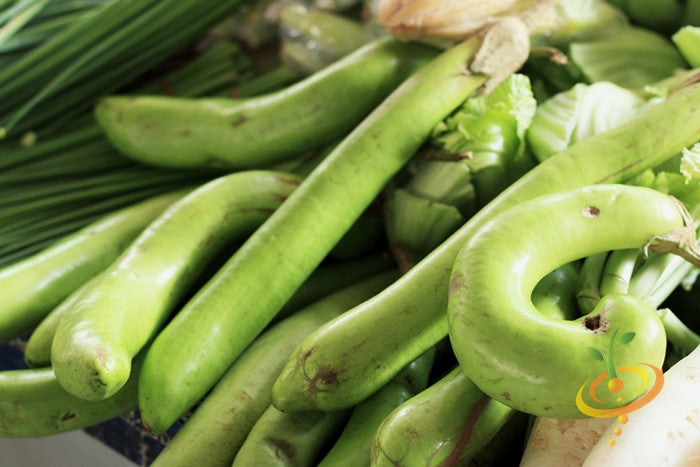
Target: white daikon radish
665, 432
562, 442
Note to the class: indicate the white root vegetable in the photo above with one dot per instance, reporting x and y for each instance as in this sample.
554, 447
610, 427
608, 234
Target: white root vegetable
665, 432
562, 442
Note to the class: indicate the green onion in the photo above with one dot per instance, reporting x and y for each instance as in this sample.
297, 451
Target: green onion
75, 66
68, 177
19, 19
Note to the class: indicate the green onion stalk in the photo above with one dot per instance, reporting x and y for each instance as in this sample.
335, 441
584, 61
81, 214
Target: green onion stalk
23, 30
586, 109
68, 178
97, 54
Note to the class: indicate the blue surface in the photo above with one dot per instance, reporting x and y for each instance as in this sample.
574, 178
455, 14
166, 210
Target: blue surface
124, 434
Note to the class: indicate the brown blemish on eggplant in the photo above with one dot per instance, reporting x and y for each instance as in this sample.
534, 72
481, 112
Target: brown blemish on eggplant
302, 357
289, 181
455, 456
590, 212
325, 374
283, 449
404, 259
597, 324
695, 78
457, 282
621, 171
378, 450
239, 121
67, 416
265, 211
245, 397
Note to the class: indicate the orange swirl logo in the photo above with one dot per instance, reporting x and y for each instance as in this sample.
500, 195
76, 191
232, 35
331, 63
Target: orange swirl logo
615, 384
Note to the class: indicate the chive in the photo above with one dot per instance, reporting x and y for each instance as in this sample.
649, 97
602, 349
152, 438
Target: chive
42, 221
163, 36
33, 35
21, 155
19, 20
33, 205
26, 225
7, 250
42, 62
67, 7
72, 175
19, 8
121, 180
64, 165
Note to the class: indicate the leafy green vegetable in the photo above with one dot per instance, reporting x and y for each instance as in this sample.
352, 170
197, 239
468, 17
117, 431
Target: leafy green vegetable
455, 187
690, 163
591, 41
687, 39
630, 57
418, 224
490, 131
679, 178
579, 112
471, 156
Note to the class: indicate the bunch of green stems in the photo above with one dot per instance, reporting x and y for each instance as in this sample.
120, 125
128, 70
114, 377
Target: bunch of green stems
70, 177
26, 24
106, 45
